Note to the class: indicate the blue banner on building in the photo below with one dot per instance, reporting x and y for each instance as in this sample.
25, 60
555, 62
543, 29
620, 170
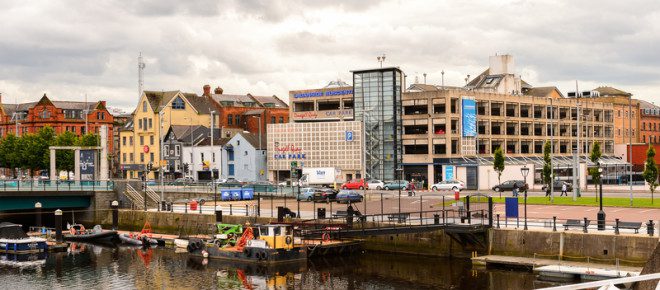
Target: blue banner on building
511, 206
469, 117
87, 158
449, 172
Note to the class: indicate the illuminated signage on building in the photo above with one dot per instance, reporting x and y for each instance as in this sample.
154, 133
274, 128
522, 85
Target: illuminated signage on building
321, 94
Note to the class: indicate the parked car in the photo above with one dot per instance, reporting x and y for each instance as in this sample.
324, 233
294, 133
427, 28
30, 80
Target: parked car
448, 185
354, 184
328, 194
262, 186
182, 181
309, 194
375, 184
346, 196
508, 185
396, 184
557, 186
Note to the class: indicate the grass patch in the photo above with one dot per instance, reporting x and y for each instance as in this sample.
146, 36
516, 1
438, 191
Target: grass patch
586, 201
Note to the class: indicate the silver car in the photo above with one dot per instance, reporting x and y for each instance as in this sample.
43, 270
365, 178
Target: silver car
448, 185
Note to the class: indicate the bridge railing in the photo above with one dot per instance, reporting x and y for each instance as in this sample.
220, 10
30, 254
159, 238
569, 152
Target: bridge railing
59, 185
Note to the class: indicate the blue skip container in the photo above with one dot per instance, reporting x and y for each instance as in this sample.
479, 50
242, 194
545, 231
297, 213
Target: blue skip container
225, 194
235, 193
247, 193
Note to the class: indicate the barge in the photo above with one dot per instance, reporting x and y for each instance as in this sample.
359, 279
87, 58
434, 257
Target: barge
13, 240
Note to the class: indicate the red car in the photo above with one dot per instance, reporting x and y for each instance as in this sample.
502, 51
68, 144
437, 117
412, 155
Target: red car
354, 184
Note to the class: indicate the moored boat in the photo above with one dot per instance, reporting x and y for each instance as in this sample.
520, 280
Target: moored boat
78, 233
263, 244
137, 240
14, 240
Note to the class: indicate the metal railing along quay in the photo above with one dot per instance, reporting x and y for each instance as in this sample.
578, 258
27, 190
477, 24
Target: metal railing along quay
47, 185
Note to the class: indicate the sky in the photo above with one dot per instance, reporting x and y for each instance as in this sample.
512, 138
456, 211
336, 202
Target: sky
69, 49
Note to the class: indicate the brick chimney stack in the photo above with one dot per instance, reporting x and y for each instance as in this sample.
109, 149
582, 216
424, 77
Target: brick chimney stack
207, 90
218, 91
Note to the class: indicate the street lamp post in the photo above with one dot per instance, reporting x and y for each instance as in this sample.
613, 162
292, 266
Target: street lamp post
601, 213
399, 185
524, 172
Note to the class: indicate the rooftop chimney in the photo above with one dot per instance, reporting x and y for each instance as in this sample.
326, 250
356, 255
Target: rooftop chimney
207, 90
501, 64
218, 91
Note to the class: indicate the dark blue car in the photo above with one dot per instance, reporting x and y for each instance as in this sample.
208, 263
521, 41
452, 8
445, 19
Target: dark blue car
346, 196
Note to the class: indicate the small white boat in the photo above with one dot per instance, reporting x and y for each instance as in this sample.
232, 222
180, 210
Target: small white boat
181, 243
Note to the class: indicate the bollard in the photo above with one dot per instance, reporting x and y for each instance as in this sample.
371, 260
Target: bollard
231, 210
498, 220
280, 214
585, 225
115, 214
554, 223
436, 219
58, 226
37, 207
650, 227
218, 216
200, 208
163, 206
320, 214
616, 226
469, 218
247, 212
185, 207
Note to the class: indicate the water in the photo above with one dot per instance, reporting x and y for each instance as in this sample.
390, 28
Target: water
97, 267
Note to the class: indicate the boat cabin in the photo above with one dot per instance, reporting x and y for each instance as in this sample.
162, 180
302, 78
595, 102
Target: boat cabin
276, 236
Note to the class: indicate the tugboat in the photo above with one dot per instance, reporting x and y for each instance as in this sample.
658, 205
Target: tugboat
14, 240
263, 244
78, 233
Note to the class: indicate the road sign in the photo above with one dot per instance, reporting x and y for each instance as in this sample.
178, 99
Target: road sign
349, 135
511, 206
145, 149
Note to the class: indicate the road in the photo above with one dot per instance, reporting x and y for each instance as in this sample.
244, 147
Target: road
433, 202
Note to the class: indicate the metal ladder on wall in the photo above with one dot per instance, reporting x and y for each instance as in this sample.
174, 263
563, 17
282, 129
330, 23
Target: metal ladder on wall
135, 197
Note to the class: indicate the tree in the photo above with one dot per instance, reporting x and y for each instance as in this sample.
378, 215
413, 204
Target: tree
651, 170
64, 159
9, 153
89, 140
547, 165
595, 156
30, 152
46, 138
498, 165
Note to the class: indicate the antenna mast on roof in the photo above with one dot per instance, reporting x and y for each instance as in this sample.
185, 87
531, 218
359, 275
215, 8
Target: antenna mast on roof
141, 66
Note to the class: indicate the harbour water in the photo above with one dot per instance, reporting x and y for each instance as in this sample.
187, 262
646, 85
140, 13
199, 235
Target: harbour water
98, 267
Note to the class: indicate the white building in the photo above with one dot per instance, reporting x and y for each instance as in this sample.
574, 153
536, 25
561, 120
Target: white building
244, 158
204, 159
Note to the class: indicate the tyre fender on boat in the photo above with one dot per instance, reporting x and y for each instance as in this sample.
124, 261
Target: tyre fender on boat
247, 252
264, 255
72, 231
288, 240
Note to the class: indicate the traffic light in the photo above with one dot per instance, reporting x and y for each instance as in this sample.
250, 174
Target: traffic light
294, 164
150, 166
185, 167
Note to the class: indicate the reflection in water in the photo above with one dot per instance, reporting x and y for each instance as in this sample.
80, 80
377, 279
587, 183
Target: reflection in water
109, 267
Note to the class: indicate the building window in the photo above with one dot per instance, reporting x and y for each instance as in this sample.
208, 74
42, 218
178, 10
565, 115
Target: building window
124, 157
140, 123
167, 151
130, 140
141, 157
213, 157
230, 155
177, 150
230, 119
83, 131
151, 140
178, 104
238, 120
272, 120
150, 123
73, 129
151, 157
281, 119
45, 114
245, 153
123, 141
201, 156
141, 140
131, 155
231, 169
144, 106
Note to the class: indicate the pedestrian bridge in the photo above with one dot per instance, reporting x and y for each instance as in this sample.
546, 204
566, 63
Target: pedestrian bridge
23, 195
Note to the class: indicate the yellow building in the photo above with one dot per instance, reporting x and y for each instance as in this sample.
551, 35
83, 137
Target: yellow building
140, 138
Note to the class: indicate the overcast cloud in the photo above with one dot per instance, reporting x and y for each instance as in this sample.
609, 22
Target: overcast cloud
71, 48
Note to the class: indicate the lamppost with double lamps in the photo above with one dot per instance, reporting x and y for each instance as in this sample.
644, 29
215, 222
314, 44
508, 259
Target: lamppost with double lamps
399, 185
601, 213
524, 172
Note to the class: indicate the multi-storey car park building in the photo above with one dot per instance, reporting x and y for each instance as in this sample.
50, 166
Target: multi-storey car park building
439, 132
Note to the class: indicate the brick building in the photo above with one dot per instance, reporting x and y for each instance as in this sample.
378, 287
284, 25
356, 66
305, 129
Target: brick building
76, 117
245, 111
650, 123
